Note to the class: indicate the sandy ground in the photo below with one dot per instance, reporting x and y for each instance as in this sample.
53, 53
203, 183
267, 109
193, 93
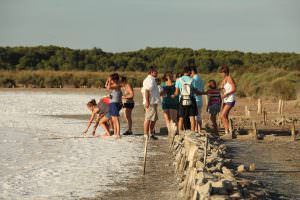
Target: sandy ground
277, 164
277, 160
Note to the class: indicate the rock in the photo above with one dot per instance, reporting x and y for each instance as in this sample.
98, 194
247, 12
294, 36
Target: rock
222, 187
241, 168
236, 195
252, 167
227, 172
219, 197
204, 190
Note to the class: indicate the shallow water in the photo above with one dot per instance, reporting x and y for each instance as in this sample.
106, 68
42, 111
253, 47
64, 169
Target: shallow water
42, 157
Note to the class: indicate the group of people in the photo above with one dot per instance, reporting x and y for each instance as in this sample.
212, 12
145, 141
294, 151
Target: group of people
180, 97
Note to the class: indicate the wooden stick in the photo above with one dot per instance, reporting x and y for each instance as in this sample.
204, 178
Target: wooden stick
293, 132
145, 154
205, 151
259, 108
254, 129
279, 106
265, 116
282, 106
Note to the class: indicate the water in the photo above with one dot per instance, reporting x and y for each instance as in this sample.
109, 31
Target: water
41, 159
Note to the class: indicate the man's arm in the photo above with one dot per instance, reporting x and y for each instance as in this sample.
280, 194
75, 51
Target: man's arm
147, 98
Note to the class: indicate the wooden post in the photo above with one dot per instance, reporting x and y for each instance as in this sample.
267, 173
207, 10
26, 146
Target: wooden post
231, 129
282, 107
293, 132
259, 108
145, 154
265, 116
205, 151
254, 129
247, 111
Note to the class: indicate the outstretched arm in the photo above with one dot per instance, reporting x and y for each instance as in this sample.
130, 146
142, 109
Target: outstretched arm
96, 124
89, 123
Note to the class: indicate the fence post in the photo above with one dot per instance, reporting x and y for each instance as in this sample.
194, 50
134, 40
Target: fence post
293, 131
265, 116
259, 108
254, 131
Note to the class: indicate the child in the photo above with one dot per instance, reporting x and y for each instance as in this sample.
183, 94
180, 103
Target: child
115, 105
214, 102
99, 109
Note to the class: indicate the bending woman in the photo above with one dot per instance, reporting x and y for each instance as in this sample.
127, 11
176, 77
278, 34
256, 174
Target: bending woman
128, 103
229, 87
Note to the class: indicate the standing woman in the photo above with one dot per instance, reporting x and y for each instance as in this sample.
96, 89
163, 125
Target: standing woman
128, 103
229, 87
169, 104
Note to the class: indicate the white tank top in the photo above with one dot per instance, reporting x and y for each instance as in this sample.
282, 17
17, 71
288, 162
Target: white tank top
228, 88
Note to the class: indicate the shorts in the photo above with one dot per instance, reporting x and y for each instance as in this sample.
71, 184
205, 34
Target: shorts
114, 110
230, 103
128, 105
188, 111
169, 106
199, 109
151, 113
214, 109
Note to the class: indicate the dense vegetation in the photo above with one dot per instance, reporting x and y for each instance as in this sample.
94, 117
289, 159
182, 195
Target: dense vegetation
268, 74
58, 58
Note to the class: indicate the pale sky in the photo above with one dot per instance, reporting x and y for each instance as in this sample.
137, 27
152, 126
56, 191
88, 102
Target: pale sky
126, 25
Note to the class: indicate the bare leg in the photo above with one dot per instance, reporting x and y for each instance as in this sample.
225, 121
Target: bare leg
128, 118
152, 126
192, 120
146, 127
103, 123
213, 119
167, 118
173, 115
224, 116
180, 123
116, 123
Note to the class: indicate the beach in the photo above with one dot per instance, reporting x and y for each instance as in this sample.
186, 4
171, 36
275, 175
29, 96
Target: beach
43, 154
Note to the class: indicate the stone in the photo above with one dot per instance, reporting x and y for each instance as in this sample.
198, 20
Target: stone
241, 168
252, 167
219, 197
236, 195
204, 190
227, 171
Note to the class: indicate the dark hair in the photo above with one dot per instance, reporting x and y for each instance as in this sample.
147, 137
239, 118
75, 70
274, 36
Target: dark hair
91, 103
186, 69
224, 69
178, 75
166, 75
115, 77
152, 69
212, 84
123, 79
194, 69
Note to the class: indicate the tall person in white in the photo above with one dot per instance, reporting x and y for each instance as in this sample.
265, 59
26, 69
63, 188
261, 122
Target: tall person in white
229, 87
151, 99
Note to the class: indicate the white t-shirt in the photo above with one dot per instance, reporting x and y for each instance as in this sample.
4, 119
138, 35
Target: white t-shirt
150, 84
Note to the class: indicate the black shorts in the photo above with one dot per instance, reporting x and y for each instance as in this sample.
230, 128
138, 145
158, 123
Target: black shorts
188, 111
128, 105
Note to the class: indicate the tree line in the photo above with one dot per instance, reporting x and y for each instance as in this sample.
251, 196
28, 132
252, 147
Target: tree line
173, 59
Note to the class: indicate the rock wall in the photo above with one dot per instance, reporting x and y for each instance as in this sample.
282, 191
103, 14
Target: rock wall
208, 176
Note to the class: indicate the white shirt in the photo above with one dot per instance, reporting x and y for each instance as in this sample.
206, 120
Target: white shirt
150, 84
228, 89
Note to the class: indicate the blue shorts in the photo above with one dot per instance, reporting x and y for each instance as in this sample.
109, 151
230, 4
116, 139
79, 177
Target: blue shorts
230, 103
114, 110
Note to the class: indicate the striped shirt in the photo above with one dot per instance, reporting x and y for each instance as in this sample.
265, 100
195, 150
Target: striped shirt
214, 96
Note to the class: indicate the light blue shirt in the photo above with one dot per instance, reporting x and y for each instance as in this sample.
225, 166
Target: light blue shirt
199, 85
185, 79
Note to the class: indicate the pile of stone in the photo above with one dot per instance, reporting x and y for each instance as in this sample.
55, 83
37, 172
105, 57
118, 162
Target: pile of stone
204, 172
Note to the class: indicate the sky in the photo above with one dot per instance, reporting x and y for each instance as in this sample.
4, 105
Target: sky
127, 25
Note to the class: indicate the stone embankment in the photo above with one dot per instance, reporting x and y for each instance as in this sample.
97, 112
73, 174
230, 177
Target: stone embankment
205, 173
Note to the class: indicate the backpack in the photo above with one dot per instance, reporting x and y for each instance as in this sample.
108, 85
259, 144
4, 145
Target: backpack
186, 99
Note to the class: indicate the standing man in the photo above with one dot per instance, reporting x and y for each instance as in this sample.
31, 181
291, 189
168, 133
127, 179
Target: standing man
151, 98
186, 89
199, 84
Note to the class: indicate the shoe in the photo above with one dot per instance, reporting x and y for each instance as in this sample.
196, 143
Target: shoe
153, 137
111, 132
127, 132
